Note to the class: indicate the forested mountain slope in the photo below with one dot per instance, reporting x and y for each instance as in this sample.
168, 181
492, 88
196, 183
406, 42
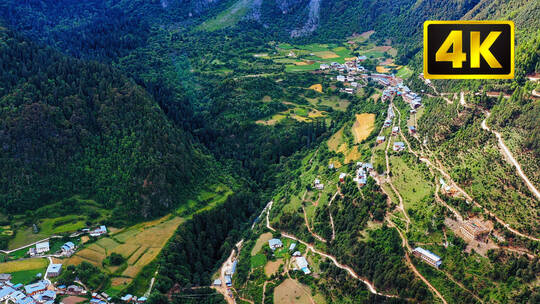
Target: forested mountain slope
71, 127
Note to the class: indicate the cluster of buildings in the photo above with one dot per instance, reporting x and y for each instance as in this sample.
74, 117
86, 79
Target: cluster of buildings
351, 67
347, 73
389, 117
72, 290
361, 173
128, 299
43, 247
36, 293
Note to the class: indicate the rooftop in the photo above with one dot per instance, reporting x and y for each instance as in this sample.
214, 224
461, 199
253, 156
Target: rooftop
54, 267
428, 254
31, 288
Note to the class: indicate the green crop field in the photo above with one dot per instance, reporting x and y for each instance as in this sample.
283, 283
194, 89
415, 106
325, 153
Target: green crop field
258, 260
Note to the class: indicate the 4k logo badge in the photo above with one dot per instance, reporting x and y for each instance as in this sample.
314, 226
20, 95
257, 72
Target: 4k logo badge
468, 49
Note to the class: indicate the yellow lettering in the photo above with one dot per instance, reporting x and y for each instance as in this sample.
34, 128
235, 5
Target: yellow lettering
455, 39
478, 49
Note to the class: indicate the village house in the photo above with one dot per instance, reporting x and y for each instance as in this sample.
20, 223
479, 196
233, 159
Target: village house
127, 298
380, 139
302, 264
398, 146
342, 177
228, 281
350, 78
395, 131
361, 58
42, 247
354, 84
387, 123
391, 114
5, 292
324, 66
99, 231
27, 300
75, 290
297, 254
54, 270
428, 256
35, 288
474, 230
232, 269
368, 167
275, 243
348, 90
292, 246
217, 282
68, 248
4, 277
340, 78
412, 130
17, 296
416, 103
46, 296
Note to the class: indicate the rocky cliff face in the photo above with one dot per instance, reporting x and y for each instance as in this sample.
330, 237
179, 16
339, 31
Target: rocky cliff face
312, 21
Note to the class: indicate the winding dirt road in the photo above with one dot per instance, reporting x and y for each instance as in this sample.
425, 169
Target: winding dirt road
318, 237
370, 285
510, 157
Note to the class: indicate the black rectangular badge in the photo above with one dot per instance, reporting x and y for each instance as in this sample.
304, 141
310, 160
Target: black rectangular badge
468, 49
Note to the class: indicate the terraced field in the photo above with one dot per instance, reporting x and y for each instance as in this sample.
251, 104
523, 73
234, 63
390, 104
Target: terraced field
139, 244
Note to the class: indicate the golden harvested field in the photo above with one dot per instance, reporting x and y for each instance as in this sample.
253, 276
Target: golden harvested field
367, 34
125, 235
353, 155
108, 243
261, 241
350, 59
135, 255
382, 69
363, 126
317, 87
91, 255
85, 239
314, 113
272, 267
326, 54
140, 244
307, 62
127, 249
131, 271
148, 256
120, 281
335, 141
28, 264
291, 292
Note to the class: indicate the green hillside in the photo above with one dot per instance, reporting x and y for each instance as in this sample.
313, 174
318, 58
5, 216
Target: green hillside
70, 127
